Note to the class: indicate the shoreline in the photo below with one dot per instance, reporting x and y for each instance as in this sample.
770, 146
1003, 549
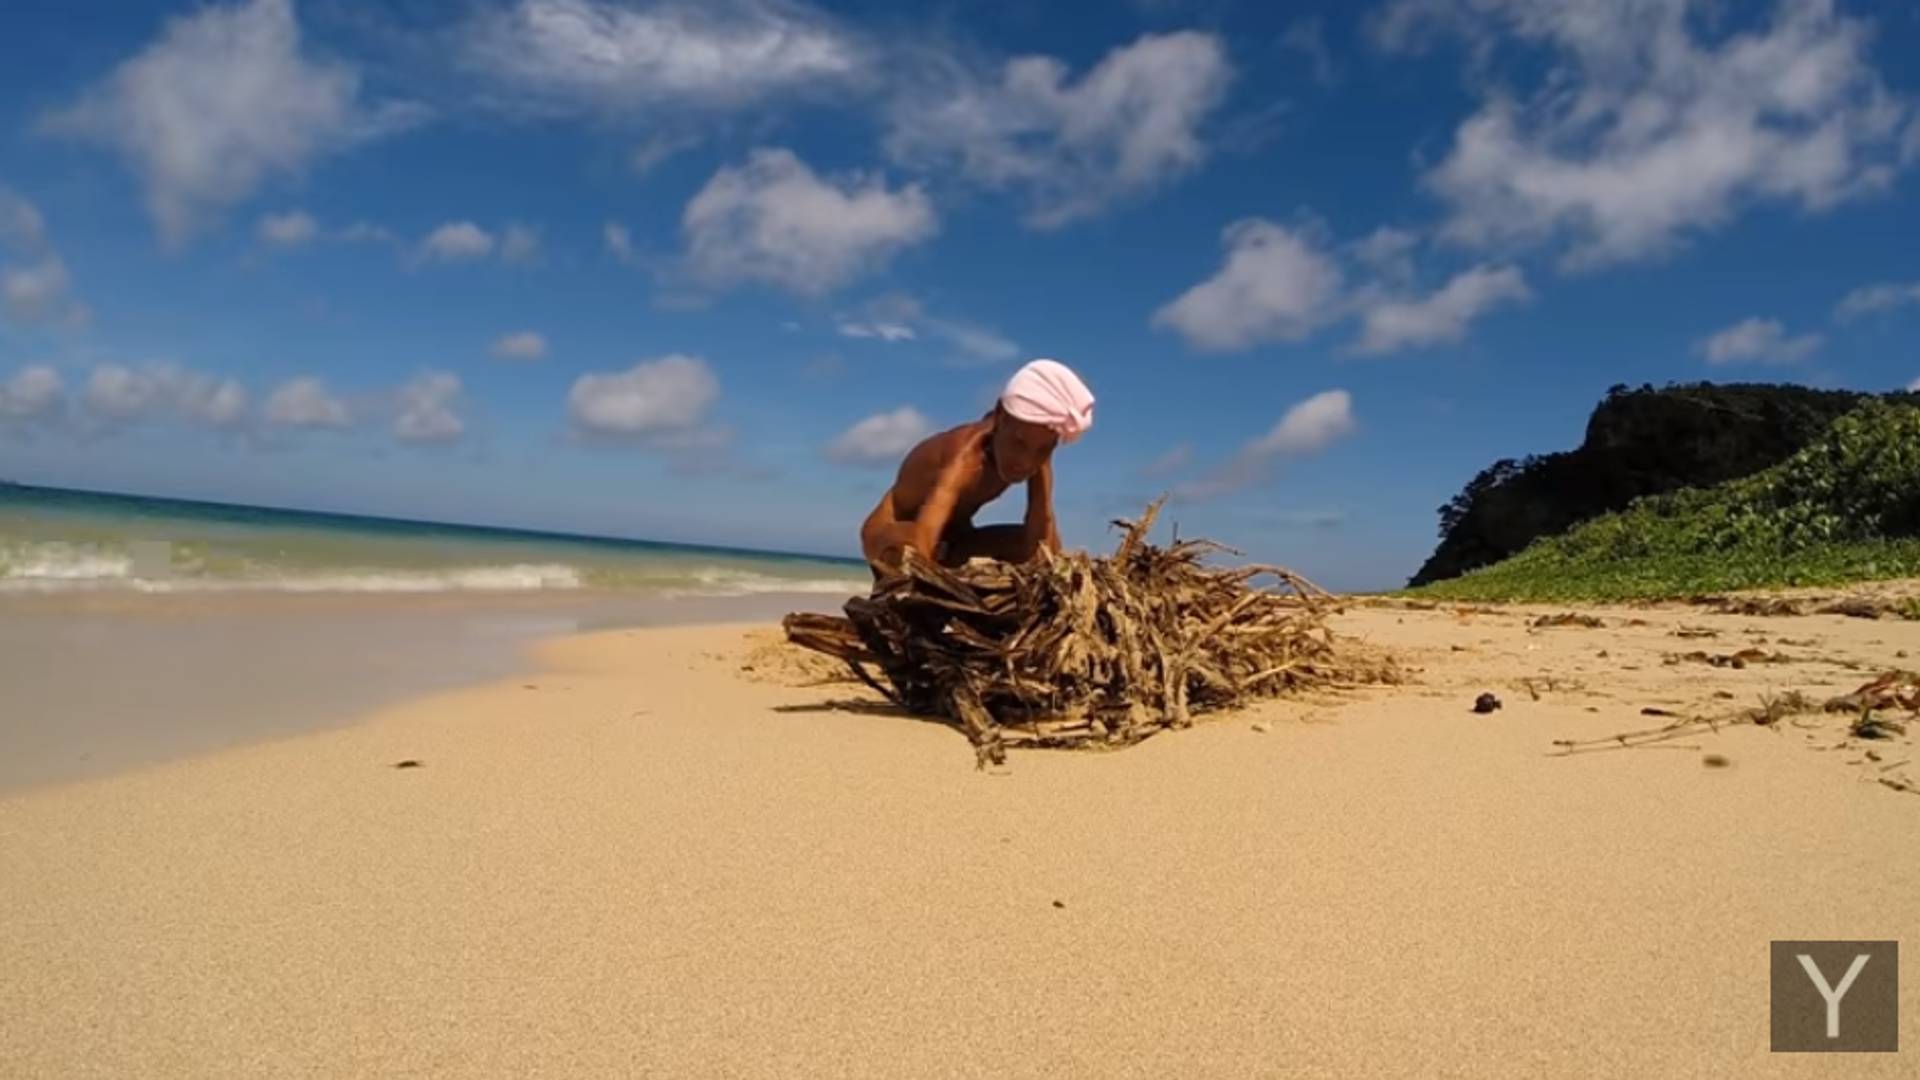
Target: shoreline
98, 682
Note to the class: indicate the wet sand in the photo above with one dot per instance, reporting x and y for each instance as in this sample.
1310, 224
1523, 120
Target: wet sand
641, 859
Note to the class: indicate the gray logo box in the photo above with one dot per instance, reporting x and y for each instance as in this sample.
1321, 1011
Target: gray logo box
1836, 996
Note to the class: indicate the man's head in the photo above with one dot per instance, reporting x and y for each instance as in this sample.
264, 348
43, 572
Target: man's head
1044, 404
1020, 447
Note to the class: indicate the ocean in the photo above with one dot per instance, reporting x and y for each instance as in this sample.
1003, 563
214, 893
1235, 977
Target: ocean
55, 540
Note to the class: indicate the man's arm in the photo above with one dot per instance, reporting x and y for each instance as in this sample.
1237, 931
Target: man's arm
1041, 528
936, 513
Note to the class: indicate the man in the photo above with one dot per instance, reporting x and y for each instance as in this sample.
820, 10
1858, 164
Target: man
948, 477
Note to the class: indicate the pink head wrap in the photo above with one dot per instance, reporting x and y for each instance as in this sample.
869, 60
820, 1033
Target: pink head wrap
1047, 392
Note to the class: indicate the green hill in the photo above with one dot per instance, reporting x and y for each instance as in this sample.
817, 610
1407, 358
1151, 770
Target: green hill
1637, 443
1844, 508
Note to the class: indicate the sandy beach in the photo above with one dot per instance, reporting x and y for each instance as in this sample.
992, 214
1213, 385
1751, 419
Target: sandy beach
676, 852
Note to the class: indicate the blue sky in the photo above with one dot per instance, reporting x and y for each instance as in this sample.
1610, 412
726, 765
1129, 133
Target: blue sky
703, 271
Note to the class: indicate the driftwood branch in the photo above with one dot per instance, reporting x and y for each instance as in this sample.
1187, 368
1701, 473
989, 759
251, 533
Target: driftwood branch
1076, 650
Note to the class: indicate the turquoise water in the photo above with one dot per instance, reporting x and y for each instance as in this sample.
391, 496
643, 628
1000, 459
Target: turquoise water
53, 540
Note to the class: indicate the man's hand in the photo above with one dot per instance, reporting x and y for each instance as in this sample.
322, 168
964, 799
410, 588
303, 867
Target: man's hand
1040, 527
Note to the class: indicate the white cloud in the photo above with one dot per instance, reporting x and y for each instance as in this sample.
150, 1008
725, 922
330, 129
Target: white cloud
1168, 463
120, 393
35, 287
655, 400
881, 439
220, 102
656, 149
1307, 428
520, 244
1276, 285
366, 232
1758, 340
607, 58
1308, 38
291, 229
884, 331
525, 345
619, 241
1388, 325
773, 220
1914, 386
305, 402
21, 226
1870, 299
37, 292
1281, 284
1646, 127
428, 409
977, 344
1127, 127
456, 241
34, 392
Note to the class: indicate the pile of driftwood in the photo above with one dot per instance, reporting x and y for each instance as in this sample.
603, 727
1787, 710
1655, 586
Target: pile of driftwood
1074, 650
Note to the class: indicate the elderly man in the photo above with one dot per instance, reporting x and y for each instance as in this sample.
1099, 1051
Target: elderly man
948, 477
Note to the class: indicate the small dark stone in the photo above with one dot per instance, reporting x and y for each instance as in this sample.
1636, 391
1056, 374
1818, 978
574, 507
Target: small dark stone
407, 764
1485, 703
1059, 904
1715, 761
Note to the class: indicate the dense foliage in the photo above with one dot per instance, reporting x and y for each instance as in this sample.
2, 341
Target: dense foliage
1638, 443
1844, 508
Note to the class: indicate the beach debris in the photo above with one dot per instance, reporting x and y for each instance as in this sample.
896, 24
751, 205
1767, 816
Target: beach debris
1892, 691
1654, 710
1061, 904
1074, 650
1695, 632
1486, 703
1570, 618
1259, 728
409, 763
1737, 660
1715, 761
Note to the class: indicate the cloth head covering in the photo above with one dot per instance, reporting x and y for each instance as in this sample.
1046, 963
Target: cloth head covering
1047, 392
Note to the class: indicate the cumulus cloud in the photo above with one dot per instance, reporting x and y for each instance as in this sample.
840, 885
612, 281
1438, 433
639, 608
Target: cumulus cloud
1388, 325
603, 58
1647, 125
881, 439
123, 394
660, 402
35, 287
1071, 148
1276, 284
289, 230
1872, 299
1307, 428
1283, 284
305, 402
1168, 463
34, 392
883, 331
619, 241
774, 221
1308, 38
525, 345
520, 244
223, 100
1757, 340
656, 149
428, 409
456, 241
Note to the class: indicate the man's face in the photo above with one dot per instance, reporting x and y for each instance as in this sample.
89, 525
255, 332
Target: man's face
1020, 447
